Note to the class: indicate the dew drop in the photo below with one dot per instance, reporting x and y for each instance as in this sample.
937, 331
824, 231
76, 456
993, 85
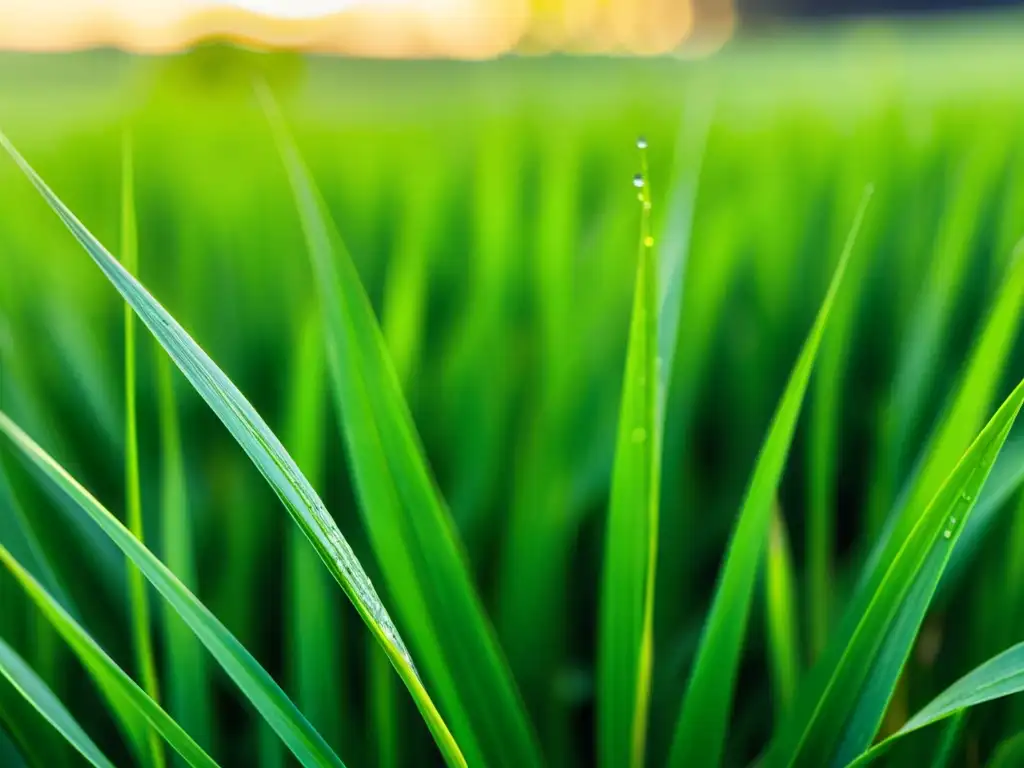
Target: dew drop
647, 204
648, 241
640, 197
947, 533
641, 142
952, 521
639, 435
638, 181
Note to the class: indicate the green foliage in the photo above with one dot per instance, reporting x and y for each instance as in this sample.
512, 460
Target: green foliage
744, 494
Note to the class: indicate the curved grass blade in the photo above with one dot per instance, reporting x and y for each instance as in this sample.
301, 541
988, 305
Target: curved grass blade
1000, 676
138, 599
268, 698
951, 439
625, 640
700, 730
188, 686
408, 523
781, 613
38, 694
108, 676
262, 447
820, 730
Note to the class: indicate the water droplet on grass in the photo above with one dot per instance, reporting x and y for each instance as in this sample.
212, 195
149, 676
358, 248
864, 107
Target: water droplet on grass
641, 142
947, 533
638, 181
648, 241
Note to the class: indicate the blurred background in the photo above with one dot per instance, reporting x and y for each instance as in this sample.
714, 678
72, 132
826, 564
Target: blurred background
477, 157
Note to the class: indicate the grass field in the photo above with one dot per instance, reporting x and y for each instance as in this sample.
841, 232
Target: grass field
557, 461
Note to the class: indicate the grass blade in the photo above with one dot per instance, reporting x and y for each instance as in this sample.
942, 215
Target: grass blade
104, 671
409, 526
700, 731
626, 642
1000, 676
138, 599
259, 443
268, 698
36, 692
950, 440
781, 613
188, 686
843, 680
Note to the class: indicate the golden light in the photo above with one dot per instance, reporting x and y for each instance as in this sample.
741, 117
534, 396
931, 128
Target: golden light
374, 28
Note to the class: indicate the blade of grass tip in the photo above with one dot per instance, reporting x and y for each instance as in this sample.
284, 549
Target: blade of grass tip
260, 444
315, 634
625, 640
36, 692
143, 642
254, 681
843, 703
1000, 676
700, 730
104, 670
188, 683
780, 600
409, 526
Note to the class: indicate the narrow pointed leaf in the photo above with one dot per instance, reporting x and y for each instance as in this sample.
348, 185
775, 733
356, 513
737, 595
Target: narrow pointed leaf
700, 731
257, 685
626, 643
408, 523
104, 671
1000, 676
780, 611
254, 436
818, 731
38, 694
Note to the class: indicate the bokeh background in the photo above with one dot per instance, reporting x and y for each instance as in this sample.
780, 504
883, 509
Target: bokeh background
477, 158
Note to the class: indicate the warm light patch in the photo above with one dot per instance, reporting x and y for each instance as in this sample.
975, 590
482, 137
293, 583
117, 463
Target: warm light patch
375, 28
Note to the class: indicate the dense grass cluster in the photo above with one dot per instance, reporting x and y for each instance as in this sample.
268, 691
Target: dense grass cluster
692, 450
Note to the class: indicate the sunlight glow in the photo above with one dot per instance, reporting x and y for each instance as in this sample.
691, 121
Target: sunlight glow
371, 28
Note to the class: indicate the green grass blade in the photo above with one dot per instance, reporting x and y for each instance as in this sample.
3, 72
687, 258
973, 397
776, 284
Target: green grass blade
256, 439
104, 671
980, 379
781, 614
1000, 676
315, 649
700, 731
36, 692
625, 640
138, 598
409, 526
268, 698
885, 620
188, 684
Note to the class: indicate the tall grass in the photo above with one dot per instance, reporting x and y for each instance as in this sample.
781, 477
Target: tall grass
505, 387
